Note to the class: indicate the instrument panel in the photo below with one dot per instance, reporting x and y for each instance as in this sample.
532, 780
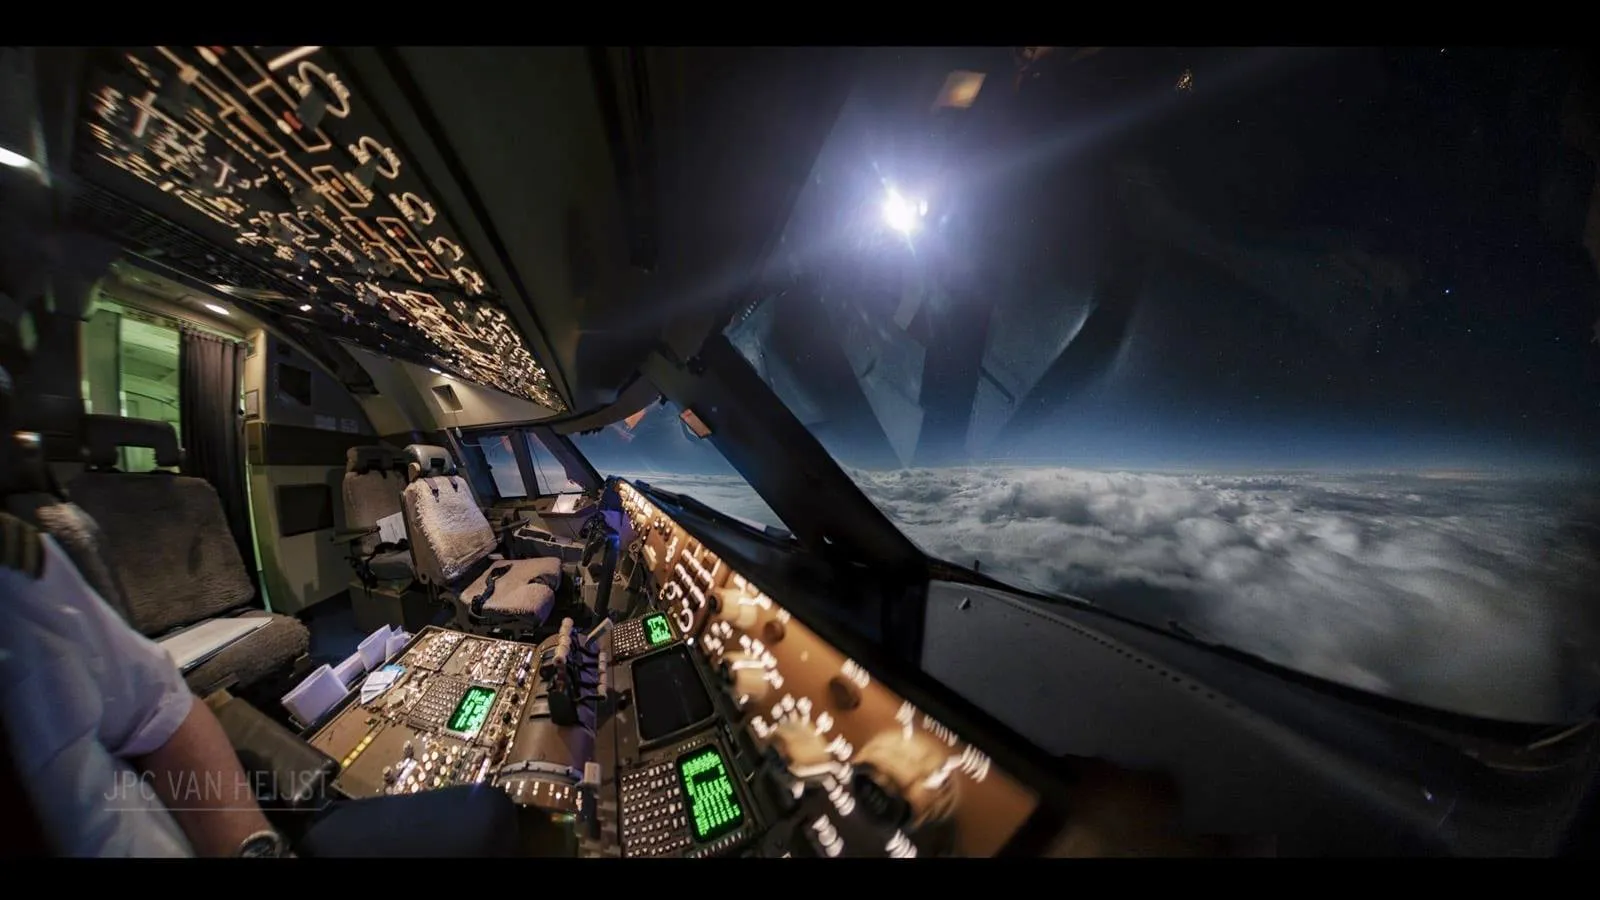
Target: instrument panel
466, 709
271, 156
897, 782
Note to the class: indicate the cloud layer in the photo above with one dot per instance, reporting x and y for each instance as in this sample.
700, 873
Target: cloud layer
1466, 593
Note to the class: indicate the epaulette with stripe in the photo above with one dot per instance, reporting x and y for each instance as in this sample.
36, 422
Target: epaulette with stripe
21, 547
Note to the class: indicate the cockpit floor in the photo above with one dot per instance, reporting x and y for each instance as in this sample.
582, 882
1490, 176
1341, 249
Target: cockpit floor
334, 633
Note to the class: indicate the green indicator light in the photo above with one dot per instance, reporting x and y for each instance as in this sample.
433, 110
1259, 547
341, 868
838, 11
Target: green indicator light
713, 806
658, 630
472, 710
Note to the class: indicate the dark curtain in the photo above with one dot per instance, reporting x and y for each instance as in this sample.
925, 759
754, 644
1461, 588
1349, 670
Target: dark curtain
213, 445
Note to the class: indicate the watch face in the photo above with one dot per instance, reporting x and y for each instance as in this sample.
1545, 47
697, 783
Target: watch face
261, 846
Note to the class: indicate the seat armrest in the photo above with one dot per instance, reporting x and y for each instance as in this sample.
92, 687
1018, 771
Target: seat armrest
287, 772
346, 537
532, 532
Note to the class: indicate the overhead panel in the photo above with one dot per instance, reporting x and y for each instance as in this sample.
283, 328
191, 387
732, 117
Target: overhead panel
306, 207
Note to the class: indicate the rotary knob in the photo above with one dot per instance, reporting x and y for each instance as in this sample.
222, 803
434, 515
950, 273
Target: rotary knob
843, 693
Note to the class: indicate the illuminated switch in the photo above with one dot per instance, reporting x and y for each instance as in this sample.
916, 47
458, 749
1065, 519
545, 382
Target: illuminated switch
173, 97
306, 199
313, 107
367, 173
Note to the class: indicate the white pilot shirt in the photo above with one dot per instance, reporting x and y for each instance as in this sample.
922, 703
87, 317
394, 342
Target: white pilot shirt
82, 692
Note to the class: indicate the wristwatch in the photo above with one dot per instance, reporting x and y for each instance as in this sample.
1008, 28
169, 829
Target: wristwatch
263, 845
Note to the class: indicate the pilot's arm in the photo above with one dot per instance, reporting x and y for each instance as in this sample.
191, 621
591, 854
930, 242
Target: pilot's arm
86, 697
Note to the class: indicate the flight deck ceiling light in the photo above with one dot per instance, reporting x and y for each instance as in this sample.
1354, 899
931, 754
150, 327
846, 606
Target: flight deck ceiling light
305, 307
903, 214
221, 311
14, 159
960, 90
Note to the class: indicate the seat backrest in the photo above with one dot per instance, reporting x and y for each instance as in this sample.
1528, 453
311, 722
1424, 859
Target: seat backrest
79, 536
32, 495
448, 532
373, 480
166, 536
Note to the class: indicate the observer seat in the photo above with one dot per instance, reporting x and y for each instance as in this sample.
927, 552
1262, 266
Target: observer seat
170, 558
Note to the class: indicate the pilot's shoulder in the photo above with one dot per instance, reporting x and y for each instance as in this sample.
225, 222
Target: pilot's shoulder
21, 546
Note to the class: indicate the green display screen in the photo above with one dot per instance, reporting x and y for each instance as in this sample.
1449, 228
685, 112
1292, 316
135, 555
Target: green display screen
713, 806
472, 710
657, 630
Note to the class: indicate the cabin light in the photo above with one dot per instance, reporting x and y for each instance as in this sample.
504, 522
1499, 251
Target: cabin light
961, 88
14, 160
217, 309
434, 371
305, 307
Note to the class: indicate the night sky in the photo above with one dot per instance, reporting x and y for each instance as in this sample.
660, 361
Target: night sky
1364, 258
1443, 170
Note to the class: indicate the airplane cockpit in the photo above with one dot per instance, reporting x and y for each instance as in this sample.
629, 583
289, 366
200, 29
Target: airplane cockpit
479, 416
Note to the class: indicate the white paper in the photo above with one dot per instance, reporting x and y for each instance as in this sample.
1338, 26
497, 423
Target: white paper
392, 528
379, 681
193, 646
566, 503
313, 697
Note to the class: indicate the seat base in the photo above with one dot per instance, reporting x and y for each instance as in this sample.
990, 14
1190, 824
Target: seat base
526, 590
253, 657
393, 565
401, 605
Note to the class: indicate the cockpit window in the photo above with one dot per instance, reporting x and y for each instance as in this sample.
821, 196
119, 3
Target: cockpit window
655, 445
552, 476
1294, 351
501, 462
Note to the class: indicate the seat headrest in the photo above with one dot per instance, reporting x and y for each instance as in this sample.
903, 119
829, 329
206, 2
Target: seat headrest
361, 460
102, 435
427, 460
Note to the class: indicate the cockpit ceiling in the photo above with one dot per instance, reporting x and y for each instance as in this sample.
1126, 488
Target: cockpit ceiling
259, 171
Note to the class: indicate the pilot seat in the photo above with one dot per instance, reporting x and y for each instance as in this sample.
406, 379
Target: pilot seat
165, 556
456, 552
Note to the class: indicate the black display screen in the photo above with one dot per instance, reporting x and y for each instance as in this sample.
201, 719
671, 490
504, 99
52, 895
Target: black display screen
668, 694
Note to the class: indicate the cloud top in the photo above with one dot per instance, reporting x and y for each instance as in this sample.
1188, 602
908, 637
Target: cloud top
1471, 594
